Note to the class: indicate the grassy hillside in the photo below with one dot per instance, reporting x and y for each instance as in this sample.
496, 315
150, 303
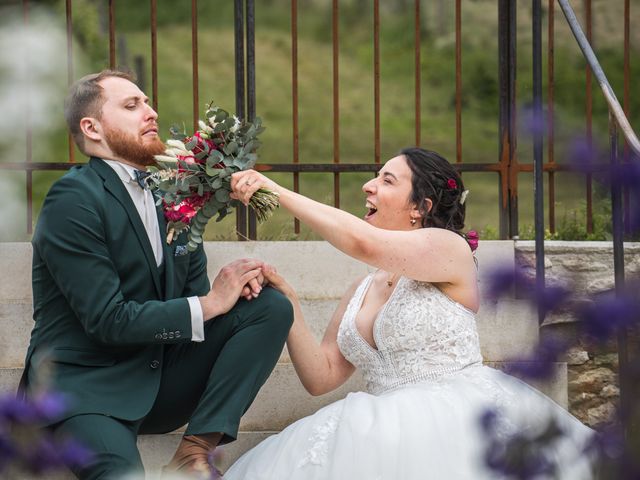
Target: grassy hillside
273, 77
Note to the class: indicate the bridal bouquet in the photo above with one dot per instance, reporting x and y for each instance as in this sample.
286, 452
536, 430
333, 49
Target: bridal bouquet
193, 176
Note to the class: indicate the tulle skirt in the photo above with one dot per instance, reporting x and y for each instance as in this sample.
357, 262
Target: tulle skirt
430, 430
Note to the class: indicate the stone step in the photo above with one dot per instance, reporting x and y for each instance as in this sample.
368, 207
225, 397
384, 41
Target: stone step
157, 450
507, 329
281, 401
314, 269
318, 271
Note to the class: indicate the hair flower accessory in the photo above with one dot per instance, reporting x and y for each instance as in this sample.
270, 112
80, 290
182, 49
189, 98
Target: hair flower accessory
452, 184
472, 239
463, 197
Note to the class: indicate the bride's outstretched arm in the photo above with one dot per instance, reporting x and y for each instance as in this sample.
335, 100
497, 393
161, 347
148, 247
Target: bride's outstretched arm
320, 367
426, 254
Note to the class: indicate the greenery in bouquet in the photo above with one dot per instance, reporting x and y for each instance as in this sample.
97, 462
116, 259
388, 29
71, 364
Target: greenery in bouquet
192, 178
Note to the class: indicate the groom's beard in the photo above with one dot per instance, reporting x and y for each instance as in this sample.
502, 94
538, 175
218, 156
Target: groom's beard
134, 149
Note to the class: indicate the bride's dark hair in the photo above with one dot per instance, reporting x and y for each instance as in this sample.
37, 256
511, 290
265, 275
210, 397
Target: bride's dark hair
433, 177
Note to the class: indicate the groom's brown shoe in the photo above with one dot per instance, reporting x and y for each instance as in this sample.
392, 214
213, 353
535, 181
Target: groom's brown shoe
192, 457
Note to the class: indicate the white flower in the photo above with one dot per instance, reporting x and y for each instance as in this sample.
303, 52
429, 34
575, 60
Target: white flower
236, 124
463, 197
166, 158
177, 144
204, 127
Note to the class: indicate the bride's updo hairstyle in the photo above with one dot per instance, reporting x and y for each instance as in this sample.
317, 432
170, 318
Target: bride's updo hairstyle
433, 177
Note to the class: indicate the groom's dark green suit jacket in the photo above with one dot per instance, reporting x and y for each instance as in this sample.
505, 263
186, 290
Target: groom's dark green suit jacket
102, 308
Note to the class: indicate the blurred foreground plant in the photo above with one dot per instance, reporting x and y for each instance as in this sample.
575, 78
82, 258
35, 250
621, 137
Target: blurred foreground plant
601, 318
28, 448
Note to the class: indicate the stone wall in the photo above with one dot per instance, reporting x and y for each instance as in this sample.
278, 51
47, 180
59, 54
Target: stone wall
587, 268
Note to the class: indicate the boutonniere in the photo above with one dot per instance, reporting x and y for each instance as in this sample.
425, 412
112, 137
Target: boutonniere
193, 177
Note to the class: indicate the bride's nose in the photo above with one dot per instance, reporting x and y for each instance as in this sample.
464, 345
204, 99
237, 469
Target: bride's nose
369, 186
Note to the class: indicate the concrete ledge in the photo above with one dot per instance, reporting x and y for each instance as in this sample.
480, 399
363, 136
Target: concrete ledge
315, 269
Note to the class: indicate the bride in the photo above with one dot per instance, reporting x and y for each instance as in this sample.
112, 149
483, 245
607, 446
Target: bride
410, 328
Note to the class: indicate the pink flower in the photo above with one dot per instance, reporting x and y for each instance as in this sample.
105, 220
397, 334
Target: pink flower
452, 184
472, 239
185, 210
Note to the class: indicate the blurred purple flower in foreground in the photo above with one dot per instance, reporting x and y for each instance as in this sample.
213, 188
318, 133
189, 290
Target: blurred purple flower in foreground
27, 447
521, 455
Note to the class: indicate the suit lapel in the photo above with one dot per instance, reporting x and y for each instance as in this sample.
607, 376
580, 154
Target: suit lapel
114, 185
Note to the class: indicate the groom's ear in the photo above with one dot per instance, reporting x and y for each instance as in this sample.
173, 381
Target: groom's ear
91, 128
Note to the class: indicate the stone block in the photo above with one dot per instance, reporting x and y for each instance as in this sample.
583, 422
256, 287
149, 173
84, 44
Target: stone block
508, 329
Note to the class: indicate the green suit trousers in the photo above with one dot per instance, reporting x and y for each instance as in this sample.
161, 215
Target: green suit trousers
208, 385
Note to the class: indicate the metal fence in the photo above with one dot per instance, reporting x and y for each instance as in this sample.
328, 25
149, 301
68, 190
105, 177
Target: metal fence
507, 166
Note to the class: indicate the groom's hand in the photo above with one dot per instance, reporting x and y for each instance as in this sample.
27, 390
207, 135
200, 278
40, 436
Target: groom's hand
229, 285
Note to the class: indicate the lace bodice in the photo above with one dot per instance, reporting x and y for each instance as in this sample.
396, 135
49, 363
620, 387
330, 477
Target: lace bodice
420, 334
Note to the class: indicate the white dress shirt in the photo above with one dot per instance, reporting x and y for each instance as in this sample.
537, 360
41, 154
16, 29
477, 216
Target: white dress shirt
146, 206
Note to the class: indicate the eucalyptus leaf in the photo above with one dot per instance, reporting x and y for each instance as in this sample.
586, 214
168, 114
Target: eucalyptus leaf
190, 145
221, 115
215, 157
191, 246
222, 195
208, 210
230, 148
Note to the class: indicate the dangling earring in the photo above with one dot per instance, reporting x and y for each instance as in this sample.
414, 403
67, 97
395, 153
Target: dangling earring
413, 221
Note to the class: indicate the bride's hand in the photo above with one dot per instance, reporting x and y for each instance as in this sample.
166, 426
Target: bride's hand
245, 183
277, 281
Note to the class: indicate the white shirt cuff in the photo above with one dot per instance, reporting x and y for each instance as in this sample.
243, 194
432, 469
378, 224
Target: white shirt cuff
197, 320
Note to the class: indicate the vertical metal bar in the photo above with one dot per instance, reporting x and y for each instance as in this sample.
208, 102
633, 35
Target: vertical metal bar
458, 82
507, 79
251, 92
376, 80
294, 95
550, 111
112, 34
336, 104
418, 81
618, 270
589, 110
241, 211
28, 136
154, 53
627, 109
194, 62
536, 30
69, 20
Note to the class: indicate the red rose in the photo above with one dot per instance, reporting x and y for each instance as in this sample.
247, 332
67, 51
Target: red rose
451, 183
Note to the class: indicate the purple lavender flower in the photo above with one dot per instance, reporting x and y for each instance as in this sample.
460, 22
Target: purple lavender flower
583, 154
533, 125
50, 405
502, 280
523, 455
542, 361
607, 314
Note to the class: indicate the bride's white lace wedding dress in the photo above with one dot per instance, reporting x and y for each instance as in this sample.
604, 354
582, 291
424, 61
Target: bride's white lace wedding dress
420, 416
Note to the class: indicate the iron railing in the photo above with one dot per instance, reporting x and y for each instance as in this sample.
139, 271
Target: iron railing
617, 120
507, 166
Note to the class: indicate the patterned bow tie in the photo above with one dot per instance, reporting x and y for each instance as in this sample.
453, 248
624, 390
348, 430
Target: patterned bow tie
141, 178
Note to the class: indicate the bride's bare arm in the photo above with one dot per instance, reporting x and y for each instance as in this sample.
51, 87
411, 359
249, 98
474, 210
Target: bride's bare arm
320, 367
426, 254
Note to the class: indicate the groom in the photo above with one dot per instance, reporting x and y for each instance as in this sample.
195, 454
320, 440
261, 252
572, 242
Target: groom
127, 326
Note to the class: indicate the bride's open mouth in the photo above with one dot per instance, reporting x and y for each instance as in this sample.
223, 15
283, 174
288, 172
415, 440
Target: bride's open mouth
371, 210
